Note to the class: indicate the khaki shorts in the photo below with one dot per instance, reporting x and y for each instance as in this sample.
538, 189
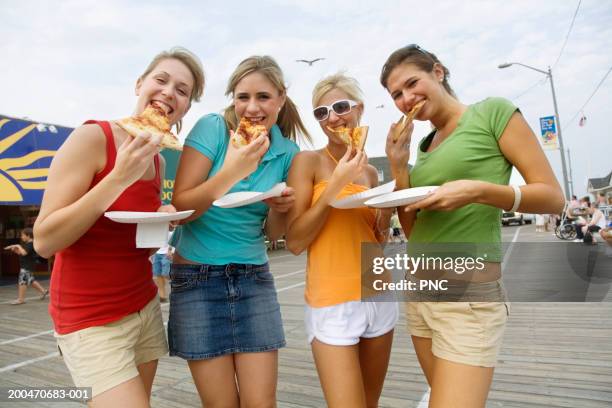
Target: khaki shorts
463, 332
103, 357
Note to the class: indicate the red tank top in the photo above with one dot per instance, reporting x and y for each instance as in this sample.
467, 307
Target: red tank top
103, 277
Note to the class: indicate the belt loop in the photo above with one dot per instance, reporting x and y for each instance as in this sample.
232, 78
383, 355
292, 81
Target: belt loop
204, 271
228, 269
248, 268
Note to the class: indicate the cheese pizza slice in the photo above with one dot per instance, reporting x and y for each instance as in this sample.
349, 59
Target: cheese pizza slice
155, 121
359, 136
405, 120
247, 132
355, 137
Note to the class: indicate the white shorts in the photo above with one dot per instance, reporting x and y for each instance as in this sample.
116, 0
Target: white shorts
345, 323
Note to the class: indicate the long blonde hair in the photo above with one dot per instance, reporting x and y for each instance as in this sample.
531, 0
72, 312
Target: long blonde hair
289, 120
192, 62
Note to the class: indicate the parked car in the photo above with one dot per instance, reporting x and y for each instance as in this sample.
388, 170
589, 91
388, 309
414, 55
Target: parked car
517, 217
529, 218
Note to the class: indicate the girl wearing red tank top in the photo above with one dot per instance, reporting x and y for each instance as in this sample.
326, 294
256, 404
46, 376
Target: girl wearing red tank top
104, 303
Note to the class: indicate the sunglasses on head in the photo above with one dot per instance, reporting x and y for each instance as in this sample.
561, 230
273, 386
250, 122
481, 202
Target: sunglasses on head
415, 47
341, 107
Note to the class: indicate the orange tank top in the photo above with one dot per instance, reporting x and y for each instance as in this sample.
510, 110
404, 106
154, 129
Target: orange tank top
333, 273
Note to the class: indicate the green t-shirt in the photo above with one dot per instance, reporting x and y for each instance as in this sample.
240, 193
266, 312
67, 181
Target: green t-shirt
470, 152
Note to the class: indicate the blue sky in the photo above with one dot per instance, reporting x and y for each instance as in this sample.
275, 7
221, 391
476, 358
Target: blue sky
65, 62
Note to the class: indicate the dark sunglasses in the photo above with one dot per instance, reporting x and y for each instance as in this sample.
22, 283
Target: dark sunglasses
341, 107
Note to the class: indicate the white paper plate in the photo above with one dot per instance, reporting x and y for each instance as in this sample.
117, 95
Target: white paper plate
401, 197
242, 198
151, 227
359, 199
138, 217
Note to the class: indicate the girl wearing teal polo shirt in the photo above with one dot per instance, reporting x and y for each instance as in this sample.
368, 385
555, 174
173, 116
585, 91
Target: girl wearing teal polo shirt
224, 314
470, 154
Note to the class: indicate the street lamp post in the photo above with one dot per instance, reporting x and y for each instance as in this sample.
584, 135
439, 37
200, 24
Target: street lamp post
559, 136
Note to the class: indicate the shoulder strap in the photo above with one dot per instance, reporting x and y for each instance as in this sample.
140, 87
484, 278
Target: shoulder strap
111, 149
158, 176
331, 156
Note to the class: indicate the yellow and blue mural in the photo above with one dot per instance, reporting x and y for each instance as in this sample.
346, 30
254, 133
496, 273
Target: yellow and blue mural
26, 151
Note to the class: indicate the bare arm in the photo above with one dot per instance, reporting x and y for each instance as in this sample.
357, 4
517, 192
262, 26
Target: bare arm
399, 153
68, 209
276, 224
596, 218
383, 216
17, 249
304, 222
542, 193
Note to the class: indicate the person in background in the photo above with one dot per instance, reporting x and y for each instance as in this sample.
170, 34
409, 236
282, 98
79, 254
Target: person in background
161, 268
27, 263
601, 200
581, 214
596, 223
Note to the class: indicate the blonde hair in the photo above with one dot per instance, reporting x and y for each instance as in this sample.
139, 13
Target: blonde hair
340, 81
288, 120
192, 62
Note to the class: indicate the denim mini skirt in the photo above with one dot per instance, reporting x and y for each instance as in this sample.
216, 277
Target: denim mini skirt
223, 309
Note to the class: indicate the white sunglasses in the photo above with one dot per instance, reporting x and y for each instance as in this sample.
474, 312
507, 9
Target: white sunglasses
341, 107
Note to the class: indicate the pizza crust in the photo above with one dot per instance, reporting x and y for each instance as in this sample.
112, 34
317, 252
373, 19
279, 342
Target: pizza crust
355, 137
405, 120
246, 132
154, 121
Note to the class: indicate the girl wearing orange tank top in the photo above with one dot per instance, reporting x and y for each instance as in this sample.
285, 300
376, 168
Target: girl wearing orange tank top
350, 339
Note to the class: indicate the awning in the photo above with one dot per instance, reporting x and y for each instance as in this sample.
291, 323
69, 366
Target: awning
26, 151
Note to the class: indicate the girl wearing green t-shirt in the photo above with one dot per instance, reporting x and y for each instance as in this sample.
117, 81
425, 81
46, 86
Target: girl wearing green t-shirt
470, 155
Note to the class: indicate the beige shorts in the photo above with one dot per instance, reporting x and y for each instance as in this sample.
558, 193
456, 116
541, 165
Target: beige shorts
463, 332
103, 357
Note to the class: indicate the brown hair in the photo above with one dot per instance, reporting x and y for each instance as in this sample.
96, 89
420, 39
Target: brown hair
289, 120
192, 62
28, 232
413, 54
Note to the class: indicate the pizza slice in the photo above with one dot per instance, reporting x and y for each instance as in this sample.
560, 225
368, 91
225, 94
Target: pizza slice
355, 137
406, 119
247, 132
155, 121
359, 136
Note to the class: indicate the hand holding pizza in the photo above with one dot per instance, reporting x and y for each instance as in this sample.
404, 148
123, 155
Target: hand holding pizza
398, 150
348, 168
134, 156
283, 203
241, 161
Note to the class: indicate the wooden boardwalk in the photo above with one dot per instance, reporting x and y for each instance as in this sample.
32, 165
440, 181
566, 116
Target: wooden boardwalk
554, 354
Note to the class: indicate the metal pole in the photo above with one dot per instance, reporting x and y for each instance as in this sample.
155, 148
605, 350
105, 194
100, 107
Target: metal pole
561, 148
571, 177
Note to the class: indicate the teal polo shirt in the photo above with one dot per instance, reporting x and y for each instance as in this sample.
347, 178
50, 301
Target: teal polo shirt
233, 235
